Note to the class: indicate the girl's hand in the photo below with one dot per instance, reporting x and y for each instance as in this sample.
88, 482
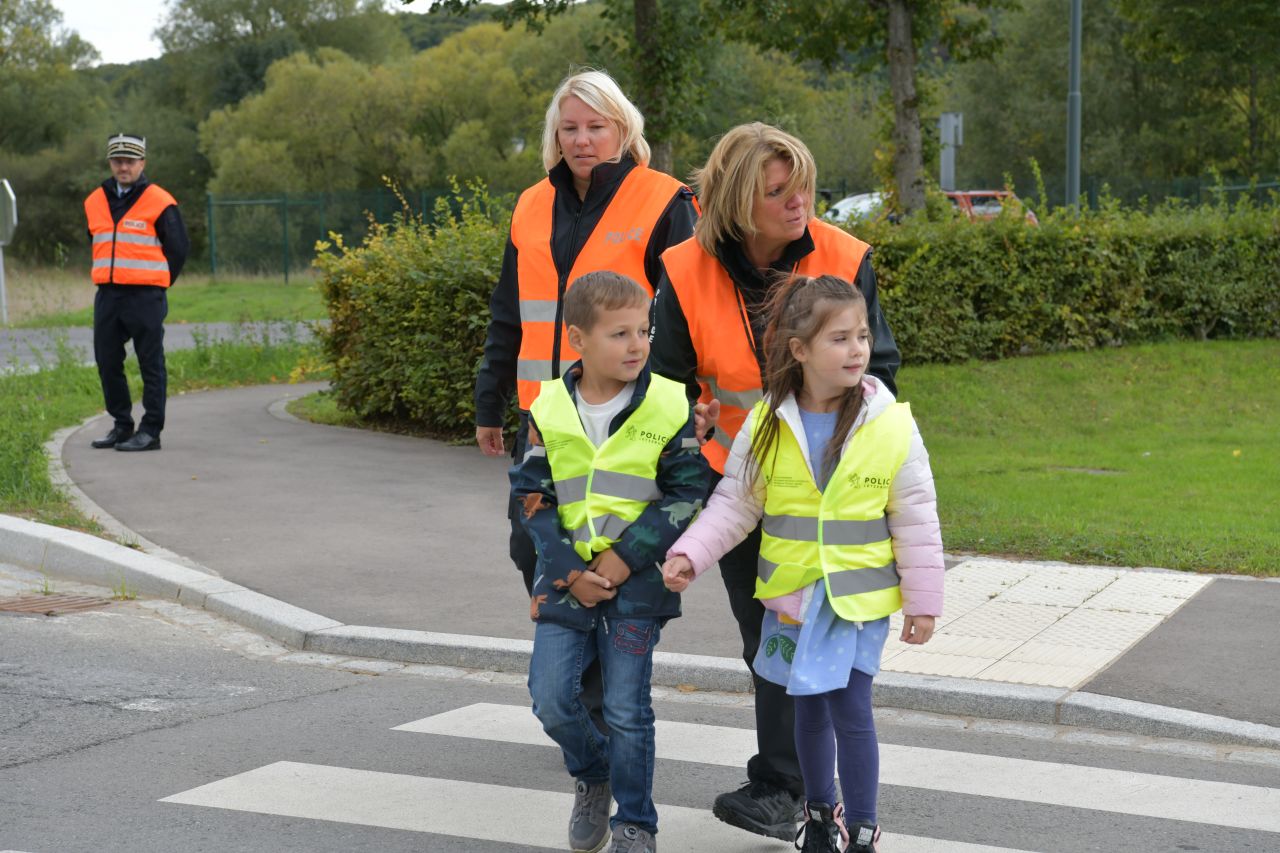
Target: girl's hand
916, 630
677, 573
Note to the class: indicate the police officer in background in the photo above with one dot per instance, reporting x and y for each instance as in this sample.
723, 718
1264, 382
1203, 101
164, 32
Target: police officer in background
139, 246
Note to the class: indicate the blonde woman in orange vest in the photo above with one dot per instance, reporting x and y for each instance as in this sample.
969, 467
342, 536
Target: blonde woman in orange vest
757, 228
600, 207
139, 247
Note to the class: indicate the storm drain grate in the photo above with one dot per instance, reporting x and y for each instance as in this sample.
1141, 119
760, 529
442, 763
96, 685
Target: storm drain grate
52, 605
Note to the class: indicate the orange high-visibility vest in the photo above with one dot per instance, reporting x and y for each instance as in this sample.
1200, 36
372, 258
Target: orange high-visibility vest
128, 251
721, 332
617, 243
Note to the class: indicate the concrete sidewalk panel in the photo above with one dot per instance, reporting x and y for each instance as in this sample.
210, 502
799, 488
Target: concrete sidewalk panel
968, 697
270, 616
1108, 712
462, 650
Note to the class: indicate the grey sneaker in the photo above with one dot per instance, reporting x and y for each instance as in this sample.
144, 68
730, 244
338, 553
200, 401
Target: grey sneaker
629, 838
589, 823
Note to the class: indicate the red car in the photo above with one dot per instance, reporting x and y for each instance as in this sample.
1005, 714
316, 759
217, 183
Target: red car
985, 204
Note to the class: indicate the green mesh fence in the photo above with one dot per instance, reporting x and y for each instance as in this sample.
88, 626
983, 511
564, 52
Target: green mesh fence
273, 234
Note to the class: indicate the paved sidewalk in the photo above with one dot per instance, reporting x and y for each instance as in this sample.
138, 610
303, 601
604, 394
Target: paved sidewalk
396, 547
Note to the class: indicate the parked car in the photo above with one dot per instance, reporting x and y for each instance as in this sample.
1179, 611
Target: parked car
855, 207
985, 204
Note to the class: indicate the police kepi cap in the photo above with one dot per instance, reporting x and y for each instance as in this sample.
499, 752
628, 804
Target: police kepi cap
127, 145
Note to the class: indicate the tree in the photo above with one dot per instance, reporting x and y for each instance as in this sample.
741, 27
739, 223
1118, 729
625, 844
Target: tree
41, 97
1230, 49
892, 32
220, 50
664, 64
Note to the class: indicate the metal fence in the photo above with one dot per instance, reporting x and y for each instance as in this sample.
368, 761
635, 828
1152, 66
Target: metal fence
278, 233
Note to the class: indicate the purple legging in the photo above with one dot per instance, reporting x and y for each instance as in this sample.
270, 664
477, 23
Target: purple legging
846, 713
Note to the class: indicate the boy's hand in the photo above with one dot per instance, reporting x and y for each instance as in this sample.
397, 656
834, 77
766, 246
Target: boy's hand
590, 589
705, 418
610, 566
916, 630
677, 573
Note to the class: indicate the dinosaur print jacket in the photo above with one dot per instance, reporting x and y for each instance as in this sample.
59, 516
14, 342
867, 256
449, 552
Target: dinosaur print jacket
683, 476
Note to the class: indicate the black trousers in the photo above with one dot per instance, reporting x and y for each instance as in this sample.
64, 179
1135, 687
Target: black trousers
525, 556
131, 312
776, 761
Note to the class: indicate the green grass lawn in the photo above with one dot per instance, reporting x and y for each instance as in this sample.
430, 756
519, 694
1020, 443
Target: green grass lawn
1165, 455
199, 299
37, 405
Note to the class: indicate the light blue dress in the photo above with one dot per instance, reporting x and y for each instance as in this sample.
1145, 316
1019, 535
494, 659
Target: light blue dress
818, 656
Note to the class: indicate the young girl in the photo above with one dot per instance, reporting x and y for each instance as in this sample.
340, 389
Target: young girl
838, 474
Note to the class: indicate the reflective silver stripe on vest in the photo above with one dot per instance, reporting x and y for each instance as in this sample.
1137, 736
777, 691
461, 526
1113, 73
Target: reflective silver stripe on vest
571, 491
791, 527
539, 370
103, 237
537, 310
626, 486
608, 526
537, 450
855, 532
765, 568
740, 399
138, 239
723, 439
835, 532
855, 581
130, 264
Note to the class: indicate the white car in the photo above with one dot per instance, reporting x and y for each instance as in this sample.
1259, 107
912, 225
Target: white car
855, 207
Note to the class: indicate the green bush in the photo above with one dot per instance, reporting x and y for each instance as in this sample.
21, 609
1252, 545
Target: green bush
954, 289
408, 312
409, 308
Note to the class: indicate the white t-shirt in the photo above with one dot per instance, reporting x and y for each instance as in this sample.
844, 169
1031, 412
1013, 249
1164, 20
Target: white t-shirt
596, 417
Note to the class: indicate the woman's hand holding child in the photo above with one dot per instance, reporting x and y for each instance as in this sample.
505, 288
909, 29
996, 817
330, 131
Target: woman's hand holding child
677, 573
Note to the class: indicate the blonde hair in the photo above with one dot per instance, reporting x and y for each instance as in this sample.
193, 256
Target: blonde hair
602, 290
733, 178
599, 91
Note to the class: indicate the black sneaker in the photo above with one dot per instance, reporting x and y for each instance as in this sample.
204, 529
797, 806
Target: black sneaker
823, 829
864, 838
762, 808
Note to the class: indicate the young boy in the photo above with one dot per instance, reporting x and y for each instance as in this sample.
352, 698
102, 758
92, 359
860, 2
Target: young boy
612, 477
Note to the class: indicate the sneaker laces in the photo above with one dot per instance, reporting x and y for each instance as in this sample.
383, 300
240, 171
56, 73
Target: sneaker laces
588, 796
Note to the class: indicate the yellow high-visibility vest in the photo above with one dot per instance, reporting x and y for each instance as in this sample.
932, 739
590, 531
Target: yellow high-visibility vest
841, 534
601, 490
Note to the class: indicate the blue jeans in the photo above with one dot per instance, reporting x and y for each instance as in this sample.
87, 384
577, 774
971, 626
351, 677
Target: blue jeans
624, 757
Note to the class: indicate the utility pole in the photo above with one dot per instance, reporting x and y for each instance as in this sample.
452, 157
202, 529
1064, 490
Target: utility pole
950, 136
1073, 110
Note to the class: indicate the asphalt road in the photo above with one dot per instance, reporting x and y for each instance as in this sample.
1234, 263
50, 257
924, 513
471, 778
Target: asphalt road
145, 727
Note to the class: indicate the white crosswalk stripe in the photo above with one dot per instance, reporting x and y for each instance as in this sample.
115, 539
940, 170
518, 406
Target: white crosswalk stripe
534, 819
531, 818
1169, 797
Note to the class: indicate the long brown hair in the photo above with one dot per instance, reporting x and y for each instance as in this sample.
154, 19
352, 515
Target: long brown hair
799, 308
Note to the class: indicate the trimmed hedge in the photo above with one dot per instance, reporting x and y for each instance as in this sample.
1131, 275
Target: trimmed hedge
408, 312
409, 307
955, 290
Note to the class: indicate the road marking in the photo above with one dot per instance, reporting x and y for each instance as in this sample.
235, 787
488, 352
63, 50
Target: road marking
531, 818
1049, 783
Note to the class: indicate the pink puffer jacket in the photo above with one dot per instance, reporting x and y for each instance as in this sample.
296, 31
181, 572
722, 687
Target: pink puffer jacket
912, 513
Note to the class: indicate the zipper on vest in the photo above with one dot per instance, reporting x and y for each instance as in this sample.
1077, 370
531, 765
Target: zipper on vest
562, 284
